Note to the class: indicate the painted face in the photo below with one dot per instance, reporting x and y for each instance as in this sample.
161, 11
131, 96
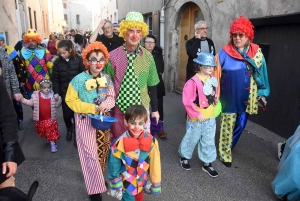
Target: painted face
207, 70
136, 127
149, 44
32, 44
96, 62
107, 30
1, 43
45, 88
134, 36
64, 53
239, 39
202, 30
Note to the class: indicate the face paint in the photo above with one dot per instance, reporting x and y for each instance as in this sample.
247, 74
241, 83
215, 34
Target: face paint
136, 127
208, 69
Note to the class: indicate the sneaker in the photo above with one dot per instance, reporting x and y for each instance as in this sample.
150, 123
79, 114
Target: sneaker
280, 147
185, 163
53, 148
210, 170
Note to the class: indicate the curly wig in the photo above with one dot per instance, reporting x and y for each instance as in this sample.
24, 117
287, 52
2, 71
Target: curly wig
126, 24
91, 48
242, 25
33, 35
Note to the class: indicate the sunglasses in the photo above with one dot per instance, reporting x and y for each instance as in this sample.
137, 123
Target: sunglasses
241, 35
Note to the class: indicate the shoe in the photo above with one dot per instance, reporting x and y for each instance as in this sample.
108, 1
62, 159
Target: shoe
69, 135
185, 163
96, 197
162, 134
210, 170
280, 147
53, 147
227, 164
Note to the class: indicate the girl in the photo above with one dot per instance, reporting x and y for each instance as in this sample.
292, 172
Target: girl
91, 92
199, 98
44, 112
65, 68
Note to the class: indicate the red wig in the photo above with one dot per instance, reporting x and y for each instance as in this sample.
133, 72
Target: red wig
92, 47
242, 25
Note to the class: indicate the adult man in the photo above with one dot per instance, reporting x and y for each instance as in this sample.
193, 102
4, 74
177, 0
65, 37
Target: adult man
37, 61
108, 38
115, 28
20, 44
19, 71
199, 43
133, 71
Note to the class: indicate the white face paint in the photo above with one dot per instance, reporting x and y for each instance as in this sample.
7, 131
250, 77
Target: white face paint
207, 70
45, 88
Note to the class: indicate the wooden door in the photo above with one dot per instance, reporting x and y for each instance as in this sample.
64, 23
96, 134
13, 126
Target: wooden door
186, 31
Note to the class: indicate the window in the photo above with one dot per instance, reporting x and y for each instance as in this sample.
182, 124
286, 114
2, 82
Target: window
30, 19
150, 24
35, 24
65, 5
77, 19
44, 21
66, 17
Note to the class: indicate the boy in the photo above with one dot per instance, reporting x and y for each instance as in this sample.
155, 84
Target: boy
132, 156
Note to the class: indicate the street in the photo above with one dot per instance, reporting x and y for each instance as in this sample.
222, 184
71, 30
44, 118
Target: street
59, 174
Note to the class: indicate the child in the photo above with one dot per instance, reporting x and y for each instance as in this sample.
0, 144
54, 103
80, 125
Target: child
66, 67
44, 112
132, 156
199, 98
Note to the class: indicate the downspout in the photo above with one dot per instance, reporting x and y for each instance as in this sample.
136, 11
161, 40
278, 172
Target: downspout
162, 27
18, 20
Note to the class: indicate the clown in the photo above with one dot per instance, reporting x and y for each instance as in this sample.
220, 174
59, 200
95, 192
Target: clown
133, 71
37, 61
242, 68
91, 92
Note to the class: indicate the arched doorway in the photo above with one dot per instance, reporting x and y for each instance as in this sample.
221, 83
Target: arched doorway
186, 31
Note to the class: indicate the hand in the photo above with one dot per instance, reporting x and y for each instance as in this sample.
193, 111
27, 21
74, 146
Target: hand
103, 107
156, 115
201, 118
22, 84
262, 101
216, 100
102, 23
18, 97
12, 166
197, 35
56, 97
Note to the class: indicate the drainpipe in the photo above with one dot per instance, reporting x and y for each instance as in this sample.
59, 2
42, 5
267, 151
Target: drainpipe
18, 20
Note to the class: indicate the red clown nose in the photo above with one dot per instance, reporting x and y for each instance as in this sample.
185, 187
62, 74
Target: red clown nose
99, 66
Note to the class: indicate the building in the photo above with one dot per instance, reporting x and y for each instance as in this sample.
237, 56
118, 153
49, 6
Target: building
57, 23
277, 31
109, 10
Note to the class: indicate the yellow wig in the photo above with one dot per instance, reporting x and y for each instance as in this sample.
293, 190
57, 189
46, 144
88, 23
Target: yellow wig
125, 25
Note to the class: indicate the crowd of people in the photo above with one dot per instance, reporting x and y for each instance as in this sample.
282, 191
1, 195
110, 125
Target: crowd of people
99, 79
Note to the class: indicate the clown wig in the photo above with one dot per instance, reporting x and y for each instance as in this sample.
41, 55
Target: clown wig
242, 25
92, 48
33, 35
126, 24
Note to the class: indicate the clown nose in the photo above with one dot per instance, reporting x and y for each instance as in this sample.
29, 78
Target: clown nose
99, 66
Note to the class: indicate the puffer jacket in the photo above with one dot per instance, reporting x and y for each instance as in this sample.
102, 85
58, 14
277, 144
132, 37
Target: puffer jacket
64, 72
34, 101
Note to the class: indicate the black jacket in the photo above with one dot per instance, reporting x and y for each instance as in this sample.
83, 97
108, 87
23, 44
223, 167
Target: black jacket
63, 72
159, 62
192, 46
110, 43
9, 146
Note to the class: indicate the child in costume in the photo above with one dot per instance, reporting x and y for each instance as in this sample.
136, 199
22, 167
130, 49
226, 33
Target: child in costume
44, 112
91, 92
132, 156
199, 98
65, 68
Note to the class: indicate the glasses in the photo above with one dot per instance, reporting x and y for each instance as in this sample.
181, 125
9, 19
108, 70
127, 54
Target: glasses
149, 42
241, 35
207, 67
202, 29
94, 61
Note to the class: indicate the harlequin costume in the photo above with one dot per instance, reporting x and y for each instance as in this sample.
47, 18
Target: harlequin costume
37, 62
93, 145
244, 78
133, 74
130, 161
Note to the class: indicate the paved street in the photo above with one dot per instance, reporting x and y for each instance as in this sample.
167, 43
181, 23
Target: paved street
254, 165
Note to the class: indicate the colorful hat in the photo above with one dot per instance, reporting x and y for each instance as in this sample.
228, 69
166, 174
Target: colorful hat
2, 37
94, 46
205, 59
242, 25
32, 34
133, 20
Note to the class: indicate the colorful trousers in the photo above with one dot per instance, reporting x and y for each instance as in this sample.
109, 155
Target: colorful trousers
203, 134
232, 126
129, 197
103, 146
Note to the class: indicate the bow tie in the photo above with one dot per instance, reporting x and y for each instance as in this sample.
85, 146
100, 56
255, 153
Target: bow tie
26, 53
142, 143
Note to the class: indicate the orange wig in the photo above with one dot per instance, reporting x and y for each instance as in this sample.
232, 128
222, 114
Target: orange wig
92, 47
33, 35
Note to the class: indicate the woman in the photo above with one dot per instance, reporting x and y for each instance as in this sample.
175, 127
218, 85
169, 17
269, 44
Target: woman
156, 51
91, 92
52, 44
244, 82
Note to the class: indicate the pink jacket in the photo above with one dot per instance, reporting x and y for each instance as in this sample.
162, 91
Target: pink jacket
34, 101
189, 96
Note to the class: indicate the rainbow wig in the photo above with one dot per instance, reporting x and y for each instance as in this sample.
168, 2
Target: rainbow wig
33, 35
242, 25
90, 48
